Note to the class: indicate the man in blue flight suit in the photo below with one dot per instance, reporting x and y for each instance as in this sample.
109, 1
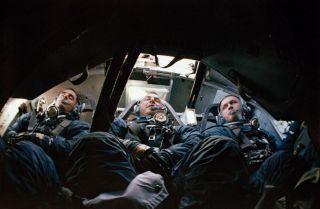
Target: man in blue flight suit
56, 130
235, 161
27, 171
104, 162
167, 145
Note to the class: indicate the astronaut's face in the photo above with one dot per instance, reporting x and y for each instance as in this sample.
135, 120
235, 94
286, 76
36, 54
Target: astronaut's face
150, 105
66, 100
230, 108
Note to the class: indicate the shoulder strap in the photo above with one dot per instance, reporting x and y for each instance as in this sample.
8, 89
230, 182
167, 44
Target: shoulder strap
245, 142
32, 121
136, 131
65, 123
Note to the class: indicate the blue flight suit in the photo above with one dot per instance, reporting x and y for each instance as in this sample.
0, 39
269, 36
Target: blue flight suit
28, 176
184, 138
57, 147
222, 173
100, 157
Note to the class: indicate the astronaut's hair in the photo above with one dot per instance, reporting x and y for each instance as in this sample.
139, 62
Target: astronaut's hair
151, 92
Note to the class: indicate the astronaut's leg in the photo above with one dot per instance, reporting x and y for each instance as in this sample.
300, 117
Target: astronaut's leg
99, 163
212, 173
28, 178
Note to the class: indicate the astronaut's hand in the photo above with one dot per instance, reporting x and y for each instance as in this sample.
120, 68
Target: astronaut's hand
13, 137
10, 137
258, 156
39, 136
151, 160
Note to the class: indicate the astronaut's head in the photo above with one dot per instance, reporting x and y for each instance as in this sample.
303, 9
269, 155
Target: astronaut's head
67, 100
230, 108
150, 104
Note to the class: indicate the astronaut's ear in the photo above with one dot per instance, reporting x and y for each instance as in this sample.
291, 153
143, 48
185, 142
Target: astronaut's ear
246, 110
78, 108
164, 108
136, 107
220, 119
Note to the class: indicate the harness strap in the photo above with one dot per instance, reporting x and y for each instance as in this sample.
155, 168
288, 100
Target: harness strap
244, 141
136, 130
32, 121
60, 127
